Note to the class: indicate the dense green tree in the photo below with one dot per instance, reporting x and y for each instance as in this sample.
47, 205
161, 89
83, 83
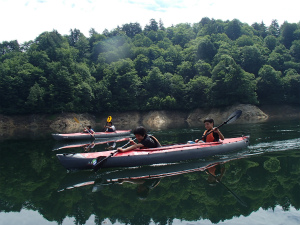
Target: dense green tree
198, 92
35, 99
182, 34
206, 50
132, 29
55, 73
287, 33
177, 89
274, 28
271, 42
156, 82
152, 26
251, 59
260, 29
291, 86
234, 29
165, 43
244, 40
9, 46
203, 68
295, 50
231, 84
48, 42
281, 49
141, 40
142, 65
210, 26
186, 70
276, 60
269, 85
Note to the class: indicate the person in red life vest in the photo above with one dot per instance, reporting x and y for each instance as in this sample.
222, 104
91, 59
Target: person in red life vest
144, 140
215, 134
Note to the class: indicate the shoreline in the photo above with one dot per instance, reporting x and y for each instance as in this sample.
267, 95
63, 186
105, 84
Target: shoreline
154, 120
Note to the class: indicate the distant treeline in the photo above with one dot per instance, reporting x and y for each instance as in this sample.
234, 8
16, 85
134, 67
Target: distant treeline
210, 63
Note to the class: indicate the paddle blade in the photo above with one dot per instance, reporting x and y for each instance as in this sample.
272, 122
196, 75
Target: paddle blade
234, 116
109, 119
76, 120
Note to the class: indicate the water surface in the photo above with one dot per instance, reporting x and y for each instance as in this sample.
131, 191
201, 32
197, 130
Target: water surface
36, 189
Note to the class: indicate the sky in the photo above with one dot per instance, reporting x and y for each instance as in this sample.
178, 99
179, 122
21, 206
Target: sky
24, 20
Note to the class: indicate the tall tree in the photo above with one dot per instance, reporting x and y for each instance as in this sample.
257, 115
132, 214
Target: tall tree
234, 29
287, 33
251, 59
269, 85
231, 84
274, 28
153, 25
206, 49
132, 29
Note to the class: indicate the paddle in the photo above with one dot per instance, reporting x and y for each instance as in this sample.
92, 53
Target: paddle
98, 165
77, 121
233, 117
236, 197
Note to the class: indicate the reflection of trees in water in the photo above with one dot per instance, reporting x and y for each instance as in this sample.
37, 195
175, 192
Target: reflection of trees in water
32, 183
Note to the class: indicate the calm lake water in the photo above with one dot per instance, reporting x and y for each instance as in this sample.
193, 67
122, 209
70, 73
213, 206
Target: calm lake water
260, 184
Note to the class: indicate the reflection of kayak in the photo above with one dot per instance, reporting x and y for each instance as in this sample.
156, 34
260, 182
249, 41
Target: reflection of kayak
81, 136
164, 154
84, 143
104, 177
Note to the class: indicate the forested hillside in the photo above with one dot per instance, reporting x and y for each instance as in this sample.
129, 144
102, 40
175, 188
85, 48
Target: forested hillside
185, 66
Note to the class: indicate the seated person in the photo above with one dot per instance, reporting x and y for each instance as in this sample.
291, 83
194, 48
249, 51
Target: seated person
145, 141
110, 127
88, 129
215, 134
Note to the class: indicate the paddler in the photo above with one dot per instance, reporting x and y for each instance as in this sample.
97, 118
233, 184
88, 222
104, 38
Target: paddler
110, 127
215, 134
144, 140
89, 130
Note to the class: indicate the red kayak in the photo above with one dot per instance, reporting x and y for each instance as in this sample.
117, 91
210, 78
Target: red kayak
87, 143
164, 154
81, 136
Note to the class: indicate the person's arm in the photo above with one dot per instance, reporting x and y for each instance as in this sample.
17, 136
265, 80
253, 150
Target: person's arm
130, 148
216, 130
197, 140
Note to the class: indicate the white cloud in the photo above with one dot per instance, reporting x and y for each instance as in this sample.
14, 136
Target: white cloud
24, 20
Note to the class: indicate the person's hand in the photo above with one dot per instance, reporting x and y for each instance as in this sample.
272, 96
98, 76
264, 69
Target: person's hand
131, 141
216, 130
120, 149
197, 140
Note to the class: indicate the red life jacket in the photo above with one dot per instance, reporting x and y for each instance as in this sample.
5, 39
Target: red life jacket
210, 137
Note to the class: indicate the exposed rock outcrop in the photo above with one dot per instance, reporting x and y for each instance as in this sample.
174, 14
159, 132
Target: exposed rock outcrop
153, 120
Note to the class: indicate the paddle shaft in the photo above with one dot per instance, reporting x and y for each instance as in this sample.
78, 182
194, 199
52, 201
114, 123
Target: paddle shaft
98, 165
236, 197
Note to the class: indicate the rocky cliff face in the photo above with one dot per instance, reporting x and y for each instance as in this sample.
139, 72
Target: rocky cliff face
154, 120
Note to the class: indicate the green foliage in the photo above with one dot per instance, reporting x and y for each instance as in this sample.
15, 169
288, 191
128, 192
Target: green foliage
116, 70
269, 85
231, 84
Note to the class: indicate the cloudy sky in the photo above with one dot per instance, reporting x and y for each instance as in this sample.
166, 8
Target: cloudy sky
24, 20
